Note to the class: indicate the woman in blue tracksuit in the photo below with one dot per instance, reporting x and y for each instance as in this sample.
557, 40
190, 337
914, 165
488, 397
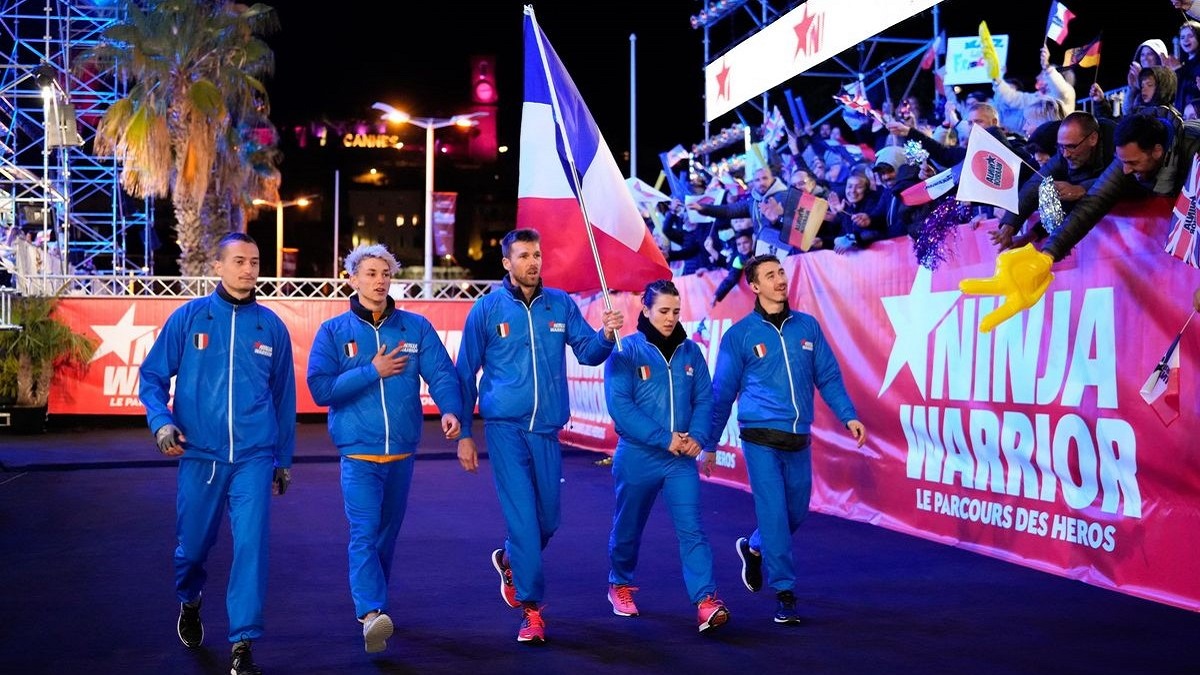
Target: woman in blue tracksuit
233, 425
660, 398
366, 365
770, 362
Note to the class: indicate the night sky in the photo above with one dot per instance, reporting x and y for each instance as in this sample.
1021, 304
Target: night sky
339, 59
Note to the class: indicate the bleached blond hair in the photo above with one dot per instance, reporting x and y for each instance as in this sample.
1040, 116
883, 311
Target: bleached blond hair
355, 258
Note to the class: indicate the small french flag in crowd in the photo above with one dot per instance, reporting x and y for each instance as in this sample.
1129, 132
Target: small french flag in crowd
1161, 389
931, 188
1056, 25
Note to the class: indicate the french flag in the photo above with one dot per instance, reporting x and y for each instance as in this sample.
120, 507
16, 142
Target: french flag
1056, 25
1161, 390
931, 188
567, 167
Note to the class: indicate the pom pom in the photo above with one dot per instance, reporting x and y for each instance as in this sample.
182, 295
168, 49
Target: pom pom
915, 153
1049, 205
932, 243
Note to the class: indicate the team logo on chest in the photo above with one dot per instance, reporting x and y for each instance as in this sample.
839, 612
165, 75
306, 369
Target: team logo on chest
760, 350
408, 347
200, 340
643, 372
689, 371
558, 327
263, 350
502, 330
350, 349
806, 344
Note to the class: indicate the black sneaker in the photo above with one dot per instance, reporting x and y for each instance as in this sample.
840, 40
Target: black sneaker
751, 565
189, 627
785, 612
242, 662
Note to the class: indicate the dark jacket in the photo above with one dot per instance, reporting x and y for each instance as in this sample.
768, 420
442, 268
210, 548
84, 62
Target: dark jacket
1115, 185
1058, 169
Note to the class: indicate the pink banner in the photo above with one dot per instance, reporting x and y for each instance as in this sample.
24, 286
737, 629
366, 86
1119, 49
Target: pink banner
125, 328
1030, 444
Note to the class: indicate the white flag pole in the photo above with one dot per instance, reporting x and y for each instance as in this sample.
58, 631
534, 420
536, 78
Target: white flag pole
574, 173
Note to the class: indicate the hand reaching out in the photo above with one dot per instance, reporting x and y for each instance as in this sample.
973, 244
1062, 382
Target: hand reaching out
1022, 277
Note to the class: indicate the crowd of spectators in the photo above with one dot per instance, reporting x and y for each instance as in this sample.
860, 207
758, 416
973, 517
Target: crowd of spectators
1096, 152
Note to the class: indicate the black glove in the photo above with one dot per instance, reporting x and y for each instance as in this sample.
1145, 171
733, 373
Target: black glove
167, 437
281, 480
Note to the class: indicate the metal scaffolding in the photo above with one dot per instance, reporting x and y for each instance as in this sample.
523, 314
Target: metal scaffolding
52, 187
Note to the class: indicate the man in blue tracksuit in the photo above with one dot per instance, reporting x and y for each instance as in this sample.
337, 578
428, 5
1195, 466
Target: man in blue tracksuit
770, 362
659, 395
366, 365
233, 425
518, 336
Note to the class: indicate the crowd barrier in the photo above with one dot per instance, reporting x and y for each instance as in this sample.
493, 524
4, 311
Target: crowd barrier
1030, 444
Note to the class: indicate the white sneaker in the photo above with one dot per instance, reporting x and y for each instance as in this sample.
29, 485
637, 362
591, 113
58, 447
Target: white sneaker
376, 631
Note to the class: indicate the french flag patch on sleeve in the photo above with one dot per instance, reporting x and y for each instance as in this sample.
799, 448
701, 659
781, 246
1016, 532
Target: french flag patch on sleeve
200, 340
760, 350
502, 330
644, 372
351, 349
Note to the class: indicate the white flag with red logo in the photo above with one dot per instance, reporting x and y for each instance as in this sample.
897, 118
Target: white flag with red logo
1182, 241
989, 173
1161, 389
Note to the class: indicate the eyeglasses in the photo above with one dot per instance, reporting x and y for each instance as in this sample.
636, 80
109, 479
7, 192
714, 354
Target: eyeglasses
1072, 147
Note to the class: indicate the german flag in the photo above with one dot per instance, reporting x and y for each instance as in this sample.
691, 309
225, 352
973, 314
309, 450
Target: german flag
1087, 56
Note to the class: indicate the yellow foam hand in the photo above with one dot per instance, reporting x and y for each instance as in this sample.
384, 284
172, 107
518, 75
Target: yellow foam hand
1022, 277
990, 58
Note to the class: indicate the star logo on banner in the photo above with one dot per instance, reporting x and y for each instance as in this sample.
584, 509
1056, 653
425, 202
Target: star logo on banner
808, 33
118, 339
723, 81
913, 317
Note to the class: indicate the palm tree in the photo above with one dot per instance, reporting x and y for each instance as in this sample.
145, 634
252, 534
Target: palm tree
194, 69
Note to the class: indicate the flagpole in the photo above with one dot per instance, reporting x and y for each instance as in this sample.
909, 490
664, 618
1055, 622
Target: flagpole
574, 173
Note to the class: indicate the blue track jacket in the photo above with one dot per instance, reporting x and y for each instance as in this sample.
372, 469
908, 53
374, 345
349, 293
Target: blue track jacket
775, 372
522, 351
649, 398
369, 414
235, 385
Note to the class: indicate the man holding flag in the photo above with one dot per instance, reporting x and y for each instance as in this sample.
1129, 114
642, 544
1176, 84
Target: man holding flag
518, 336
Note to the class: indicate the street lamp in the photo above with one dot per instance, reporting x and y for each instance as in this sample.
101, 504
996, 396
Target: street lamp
279, 207
429, 124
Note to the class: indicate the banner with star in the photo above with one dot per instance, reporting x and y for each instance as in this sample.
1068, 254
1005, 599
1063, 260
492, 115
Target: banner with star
1030, 444
807, 36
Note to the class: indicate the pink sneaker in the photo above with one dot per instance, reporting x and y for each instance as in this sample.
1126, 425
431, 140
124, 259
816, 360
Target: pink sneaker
533, 626
508, 591
621, 598
711, 613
